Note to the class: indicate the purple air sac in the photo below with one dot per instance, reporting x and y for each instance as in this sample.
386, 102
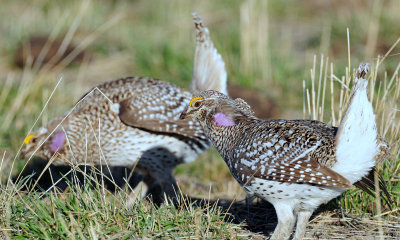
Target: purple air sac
223, 120
58, 142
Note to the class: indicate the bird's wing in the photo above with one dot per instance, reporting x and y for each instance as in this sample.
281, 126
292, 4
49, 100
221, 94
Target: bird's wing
367, 183
209, 69
279, 157
156, 107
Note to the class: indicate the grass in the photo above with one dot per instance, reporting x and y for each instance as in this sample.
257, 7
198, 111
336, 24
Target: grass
267, 47
89, 213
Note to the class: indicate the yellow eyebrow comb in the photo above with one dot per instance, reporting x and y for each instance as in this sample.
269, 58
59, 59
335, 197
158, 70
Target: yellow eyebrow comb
194, 99
28, 138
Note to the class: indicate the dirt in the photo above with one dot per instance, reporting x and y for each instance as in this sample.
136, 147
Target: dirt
34, 47
264, 107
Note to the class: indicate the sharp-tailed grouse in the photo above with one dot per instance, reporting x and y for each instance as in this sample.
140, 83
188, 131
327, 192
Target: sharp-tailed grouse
135, 122
296, 165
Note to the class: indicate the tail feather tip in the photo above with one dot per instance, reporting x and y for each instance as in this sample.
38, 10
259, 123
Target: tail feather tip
196, 18
362, 70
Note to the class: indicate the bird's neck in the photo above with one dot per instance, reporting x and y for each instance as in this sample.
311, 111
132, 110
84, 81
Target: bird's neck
224, 138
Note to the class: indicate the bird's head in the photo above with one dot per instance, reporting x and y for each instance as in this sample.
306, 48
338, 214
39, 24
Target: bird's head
32, 143
223, 110
40, 144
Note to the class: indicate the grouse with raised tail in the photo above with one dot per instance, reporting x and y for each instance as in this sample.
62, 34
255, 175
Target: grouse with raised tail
134, 122
296, 165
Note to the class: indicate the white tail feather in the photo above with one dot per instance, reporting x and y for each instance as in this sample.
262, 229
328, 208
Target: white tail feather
209, 69
356, 144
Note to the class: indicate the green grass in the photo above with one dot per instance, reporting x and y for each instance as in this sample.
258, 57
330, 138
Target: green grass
156, 39
89, 214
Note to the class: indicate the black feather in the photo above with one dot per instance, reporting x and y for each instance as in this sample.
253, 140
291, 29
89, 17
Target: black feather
367, 184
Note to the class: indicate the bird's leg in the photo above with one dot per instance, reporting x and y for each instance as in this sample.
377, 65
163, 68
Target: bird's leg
302, 219
286, 221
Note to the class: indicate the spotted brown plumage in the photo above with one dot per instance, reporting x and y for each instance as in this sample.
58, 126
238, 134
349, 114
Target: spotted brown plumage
290, 150
294, 164
134, 122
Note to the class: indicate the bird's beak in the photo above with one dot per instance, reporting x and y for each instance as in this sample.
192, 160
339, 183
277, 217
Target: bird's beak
183, 114
22, 155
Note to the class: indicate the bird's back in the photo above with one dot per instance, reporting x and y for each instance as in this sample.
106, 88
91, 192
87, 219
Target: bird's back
121, 119
118, 90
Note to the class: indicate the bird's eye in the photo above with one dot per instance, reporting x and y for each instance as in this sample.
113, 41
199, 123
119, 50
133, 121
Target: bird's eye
197, 104
29, 138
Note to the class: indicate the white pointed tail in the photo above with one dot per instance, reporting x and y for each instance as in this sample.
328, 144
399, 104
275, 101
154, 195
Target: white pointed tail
356, 138
209, 69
